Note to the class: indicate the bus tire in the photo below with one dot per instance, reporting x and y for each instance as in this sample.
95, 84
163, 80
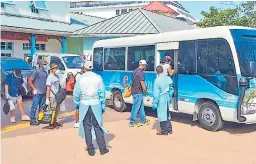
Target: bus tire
118, 102
209, 117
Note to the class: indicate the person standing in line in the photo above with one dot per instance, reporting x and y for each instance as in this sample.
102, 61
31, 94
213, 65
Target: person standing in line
90, 98
167, 67
137, 88
37, 82
13, 84
162, 96
52, 88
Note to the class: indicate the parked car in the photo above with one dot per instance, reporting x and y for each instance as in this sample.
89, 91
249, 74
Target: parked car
7, 66
69, 64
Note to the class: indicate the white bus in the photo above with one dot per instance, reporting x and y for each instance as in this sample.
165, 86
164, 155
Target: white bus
215, 71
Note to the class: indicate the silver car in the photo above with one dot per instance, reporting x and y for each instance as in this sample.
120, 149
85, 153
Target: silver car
7, 66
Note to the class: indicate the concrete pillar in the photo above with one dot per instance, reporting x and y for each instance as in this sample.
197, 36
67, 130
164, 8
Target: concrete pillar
32, 44
64, 45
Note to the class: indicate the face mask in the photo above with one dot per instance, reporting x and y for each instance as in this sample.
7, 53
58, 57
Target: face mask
46, 68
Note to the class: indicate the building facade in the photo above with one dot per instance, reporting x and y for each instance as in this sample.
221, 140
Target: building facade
28, 27
108, 9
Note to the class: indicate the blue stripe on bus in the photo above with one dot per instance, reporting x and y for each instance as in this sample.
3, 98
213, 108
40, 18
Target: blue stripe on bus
191, 87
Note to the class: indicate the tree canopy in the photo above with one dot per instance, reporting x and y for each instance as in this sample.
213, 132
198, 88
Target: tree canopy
243, 14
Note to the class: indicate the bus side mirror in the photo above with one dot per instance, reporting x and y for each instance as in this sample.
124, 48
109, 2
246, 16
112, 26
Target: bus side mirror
251, 67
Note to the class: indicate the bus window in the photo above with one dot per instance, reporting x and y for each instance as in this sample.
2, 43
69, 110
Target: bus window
187, 57
114, 59
135, 54
97, 59
215, 64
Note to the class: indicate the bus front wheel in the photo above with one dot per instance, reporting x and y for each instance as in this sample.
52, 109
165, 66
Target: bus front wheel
118, 102
209, 117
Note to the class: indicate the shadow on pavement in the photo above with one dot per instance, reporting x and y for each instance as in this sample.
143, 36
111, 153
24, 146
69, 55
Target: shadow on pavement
108, 138
230, 127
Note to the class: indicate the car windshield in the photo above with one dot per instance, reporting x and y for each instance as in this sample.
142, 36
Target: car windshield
245, 42
73, 61
12, 64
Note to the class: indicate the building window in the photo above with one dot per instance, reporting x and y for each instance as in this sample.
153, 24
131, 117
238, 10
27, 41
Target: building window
6, 45
38, 5
123, 11
7, 3
26, 46
6, 54
39, 47
135, 54
117, 12
114, 59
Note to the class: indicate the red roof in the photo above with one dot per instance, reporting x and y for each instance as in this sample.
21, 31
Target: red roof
158, 6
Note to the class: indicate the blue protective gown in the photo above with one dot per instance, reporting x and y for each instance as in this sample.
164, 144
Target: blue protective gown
162, 96
89, 90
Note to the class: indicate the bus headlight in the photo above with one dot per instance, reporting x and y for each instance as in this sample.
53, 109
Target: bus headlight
249, 108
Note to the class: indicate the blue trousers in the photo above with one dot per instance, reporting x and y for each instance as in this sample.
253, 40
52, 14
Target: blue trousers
38, 101
137, 106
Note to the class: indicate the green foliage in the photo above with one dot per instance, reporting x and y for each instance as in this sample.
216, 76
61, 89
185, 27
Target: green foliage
242, 15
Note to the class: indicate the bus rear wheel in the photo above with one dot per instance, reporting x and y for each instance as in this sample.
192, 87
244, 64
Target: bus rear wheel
118, 102
209, 117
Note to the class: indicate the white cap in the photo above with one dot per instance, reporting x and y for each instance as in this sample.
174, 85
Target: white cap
143, 62
88, 64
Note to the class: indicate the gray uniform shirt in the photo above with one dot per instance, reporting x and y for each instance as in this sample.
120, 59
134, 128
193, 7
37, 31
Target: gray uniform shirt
39, 80
53, 82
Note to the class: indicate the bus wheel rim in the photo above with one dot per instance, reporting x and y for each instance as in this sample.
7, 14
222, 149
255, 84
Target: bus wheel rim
208, 117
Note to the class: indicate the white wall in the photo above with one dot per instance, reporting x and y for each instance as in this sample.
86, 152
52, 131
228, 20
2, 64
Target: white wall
52, 45
58, 10
104, 12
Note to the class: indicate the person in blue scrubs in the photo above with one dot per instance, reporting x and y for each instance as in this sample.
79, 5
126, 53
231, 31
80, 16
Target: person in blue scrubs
162, 96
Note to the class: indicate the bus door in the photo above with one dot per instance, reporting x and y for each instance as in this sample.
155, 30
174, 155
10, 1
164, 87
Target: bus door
170, 49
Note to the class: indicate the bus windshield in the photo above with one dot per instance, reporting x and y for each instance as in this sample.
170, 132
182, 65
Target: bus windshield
245, 43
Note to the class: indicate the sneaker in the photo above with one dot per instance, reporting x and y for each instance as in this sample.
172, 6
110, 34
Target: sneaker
133, 125
76, 125
145, 123
58, 124
34, 123
105, 151
12, 119
25, 118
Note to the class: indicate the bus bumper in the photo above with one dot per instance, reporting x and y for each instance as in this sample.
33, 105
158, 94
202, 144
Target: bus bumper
250, 119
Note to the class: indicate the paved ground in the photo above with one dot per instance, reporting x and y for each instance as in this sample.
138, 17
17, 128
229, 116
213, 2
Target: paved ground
189, 144
67, 106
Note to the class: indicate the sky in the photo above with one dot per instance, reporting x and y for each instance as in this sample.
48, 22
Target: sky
195, 7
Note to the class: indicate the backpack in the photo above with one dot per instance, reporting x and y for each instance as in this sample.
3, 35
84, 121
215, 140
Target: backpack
6, 107
60, 96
